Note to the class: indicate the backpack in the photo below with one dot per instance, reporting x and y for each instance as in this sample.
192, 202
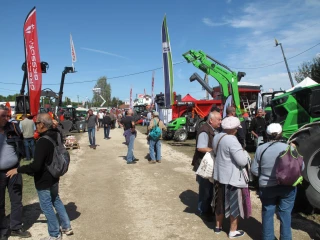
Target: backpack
61, 158
288, 168
155, 132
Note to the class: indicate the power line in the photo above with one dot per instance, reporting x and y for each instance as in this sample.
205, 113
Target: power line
269, 65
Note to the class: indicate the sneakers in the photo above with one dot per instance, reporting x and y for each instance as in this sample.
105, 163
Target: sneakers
152, 161
67, 231
136, 160
52, 238
21, 233
217, 230
236, 234
158, 161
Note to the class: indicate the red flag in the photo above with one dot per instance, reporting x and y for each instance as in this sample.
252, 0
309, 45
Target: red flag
33, 61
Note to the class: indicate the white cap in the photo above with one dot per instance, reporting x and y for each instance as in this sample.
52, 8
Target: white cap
231, 123
274, 128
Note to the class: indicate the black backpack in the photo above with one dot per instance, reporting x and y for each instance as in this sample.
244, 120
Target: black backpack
61, 158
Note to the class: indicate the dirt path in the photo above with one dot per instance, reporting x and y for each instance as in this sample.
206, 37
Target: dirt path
108, 199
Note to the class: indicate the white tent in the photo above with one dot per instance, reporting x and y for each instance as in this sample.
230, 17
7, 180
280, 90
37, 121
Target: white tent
306, 82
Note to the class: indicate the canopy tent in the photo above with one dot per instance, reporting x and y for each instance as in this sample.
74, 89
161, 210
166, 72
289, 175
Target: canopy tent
188, 98
306, 82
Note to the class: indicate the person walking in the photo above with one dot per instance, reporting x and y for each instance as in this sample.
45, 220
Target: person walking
203, 145
92, 122
272, 195
27, 128
155, 144
130, 134
9, 159
47, 186
228, 178
106, 122
100, 117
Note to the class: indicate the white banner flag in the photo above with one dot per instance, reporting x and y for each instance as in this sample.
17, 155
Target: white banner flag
73, 51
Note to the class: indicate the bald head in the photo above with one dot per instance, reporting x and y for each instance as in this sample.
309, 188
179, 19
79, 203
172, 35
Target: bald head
231, 111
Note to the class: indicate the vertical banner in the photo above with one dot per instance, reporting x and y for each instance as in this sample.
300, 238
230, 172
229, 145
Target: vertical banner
167, 65
73, 52
33, 62
131, 101
152, 88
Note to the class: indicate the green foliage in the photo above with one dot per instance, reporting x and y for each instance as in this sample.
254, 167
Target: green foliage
9, 98
105, 92
309, 69
115, 102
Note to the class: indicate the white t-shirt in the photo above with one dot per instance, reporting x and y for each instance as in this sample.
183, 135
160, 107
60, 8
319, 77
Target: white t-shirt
100, 115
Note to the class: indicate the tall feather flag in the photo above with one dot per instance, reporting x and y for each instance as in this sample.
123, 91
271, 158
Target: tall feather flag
167, 65
131, 101
152, 88
32, 55
73, 52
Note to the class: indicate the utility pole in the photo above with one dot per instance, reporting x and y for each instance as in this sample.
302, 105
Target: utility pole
285, 60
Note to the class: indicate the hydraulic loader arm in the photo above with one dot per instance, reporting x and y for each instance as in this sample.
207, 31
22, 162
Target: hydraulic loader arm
220, 72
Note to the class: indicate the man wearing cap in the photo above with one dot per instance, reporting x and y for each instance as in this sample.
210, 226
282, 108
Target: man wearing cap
204, 139
229, 181
155, 145
271, 194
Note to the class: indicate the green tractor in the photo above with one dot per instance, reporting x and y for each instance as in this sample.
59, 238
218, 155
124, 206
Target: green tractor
298, 112
185, 126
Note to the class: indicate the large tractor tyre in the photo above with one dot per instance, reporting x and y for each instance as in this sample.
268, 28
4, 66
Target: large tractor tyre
307, 140
180, 135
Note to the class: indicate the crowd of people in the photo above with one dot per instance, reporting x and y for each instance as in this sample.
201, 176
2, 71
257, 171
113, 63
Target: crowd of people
226, 196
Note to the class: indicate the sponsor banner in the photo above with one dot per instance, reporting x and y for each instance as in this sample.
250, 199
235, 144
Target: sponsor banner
131, 101
167, 65
152, 88
33, 62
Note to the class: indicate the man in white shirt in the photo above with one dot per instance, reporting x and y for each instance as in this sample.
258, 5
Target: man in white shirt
100, 117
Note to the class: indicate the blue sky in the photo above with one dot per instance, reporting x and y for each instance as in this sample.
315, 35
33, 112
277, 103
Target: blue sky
116, 38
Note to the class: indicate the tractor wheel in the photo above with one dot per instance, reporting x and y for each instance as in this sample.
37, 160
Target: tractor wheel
180, 135
167, 135
307, 140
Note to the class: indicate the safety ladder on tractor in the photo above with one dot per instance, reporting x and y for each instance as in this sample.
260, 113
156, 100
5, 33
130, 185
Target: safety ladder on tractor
246, 105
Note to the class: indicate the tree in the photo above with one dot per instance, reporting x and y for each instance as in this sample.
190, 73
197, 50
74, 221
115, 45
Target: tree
105, 92
116, 102
309, 69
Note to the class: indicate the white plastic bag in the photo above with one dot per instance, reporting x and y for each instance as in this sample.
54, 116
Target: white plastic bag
205, 170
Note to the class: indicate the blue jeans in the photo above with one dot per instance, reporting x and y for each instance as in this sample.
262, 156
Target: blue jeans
29, 145
130, 155
106, 131
49, 199
205, 195
282, 198
92, 136
155, 145
14, 186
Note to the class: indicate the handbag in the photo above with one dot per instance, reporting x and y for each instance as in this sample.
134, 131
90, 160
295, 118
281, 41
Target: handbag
205, 170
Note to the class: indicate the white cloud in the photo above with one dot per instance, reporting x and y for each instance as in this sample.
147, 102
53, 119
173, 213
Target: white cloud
210, 23
103, 52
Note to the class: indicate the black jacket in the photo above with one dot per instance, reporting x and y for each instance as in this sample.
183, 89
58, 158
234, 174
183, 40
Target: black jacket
43, 154
106, 120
